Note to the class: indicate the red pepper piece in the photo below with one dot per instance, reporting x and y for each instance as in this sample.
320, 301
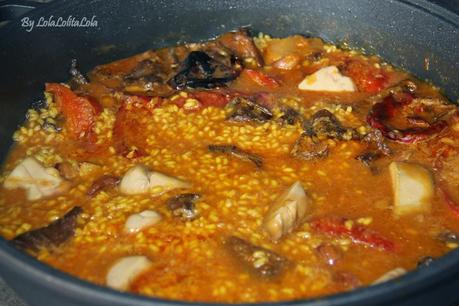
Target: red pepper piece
79, 112
260, 78
205, 98
208, 98
385, 110
367, 77
359, 234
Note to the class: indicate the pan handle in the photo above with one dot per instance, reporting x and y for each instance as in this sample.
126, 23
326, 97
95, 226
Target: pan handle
11, 9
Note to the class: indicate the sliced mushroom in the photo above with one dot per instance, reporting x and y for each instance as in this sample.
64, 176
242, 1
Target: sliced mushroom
244, 109
392, 274
201, 70
376, 139
139, 179
287, 212
413, 188
327, 79
144, 219
37, 180
368, 158
235, 151
290, 116
324, 124
309, 147
51, 235
376, 149
259, 261
183, 206
126, 270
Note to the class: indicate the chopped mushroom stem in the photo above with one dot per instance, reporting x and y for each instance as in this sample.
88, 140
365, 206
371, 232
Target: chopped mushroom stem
259, 261
126, 270
287, 212
37, 180
413, 188
327, 79
244, 109
139, 179
142, 220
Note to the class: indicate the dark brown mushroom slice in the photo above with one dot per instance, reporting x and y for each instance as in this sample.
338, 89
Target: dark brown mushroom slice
290, 116
199, 70
103, 183
235, 151
376, 150
183, 206
309, 148
367, 158
257, 260
51, 235
376, 139
325, 124
244, 110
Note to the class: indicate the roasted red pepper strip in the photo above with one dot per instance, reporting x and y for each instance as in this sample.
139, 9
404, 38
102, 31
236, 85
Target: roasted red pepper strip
128, 130
208, 98
387, 109
452, 205
359, 234
205, 99
260, 78
79, 112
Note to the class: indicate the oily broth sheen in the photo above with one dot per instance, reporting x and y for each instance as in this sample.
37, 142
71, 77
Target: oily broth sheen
189, 259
